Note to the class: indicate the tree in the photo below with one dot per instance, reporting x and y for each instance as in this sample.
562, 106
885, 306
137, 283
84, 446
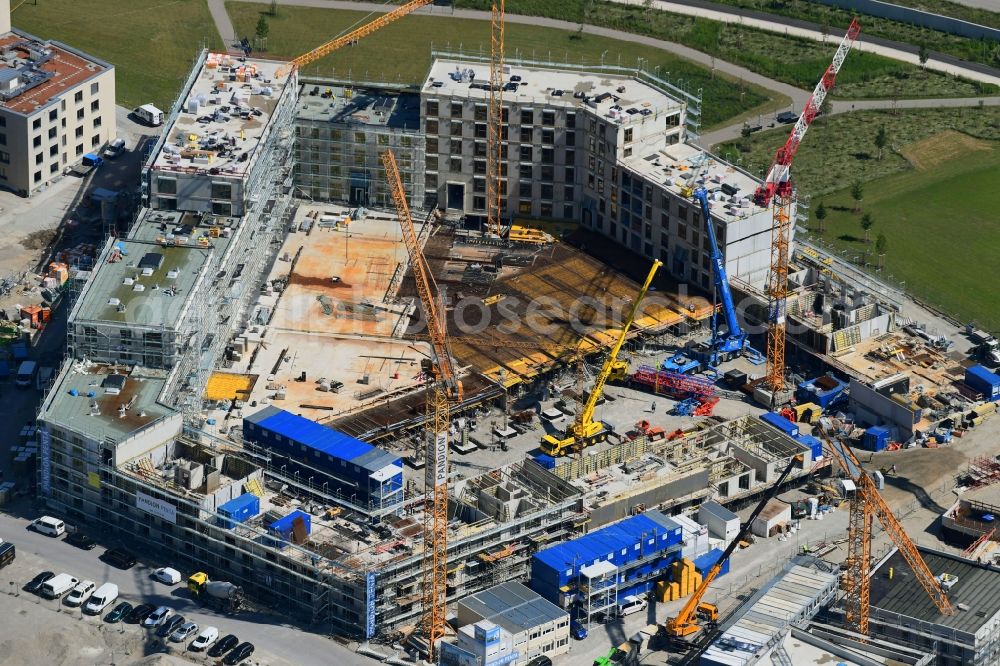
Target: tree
881, 247
821, 216
923, 54
881, 139
262, 29
858, 194
867, 223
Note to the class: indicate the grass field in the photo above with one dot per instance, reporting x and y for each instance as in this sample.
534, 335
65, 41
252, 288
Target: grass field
793, 60
941, 224
152, 43
402, 52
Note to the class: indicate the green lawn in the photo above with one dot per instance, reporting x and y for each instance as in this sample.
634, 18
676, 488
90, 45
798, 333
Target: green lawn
402, 52
152, 43
942, 228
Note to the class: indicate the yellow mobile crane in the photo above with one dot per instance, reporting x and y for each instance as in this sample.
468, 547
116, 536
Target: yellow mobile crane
585, 430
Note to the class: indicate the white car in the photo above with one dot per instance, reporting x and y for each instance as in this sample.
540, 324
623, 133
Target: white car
80, 593
157, 617
182, 632
167, 575
207, 636
115, 148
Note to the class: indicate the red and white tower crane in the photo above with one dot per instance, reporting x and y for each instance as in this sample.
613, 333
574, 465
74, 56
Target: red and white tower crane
777, 189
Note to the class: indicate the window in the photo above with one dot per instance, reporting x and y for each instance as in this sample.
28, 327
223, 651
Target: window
36, 123
222, 208
95, 105
94, 87
79, 114
548, 118
431, 163
480, 130
546, 191
548, 155
431, 181
456, 128
674, 120
570, 175
54, 167
527, 117
479, 149
4, 157
168, 185
431, 108
431, 126
526, 135
219, 190
432, 145
478, 184
38, 176
628, 152
525, 171
568, 211
524, 189
97, 122
39, 158
455, 164
526, 153
53, 151
95, 140
479, 167
524, 208
545, 210
628, 134
479, 203
548, 173
78, 97
456, 109
548, 136
480, 112
568, 193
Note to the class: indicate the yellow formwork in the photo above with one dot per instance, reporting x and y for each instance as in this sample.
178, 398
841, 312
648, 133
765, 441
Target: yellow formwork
229, 386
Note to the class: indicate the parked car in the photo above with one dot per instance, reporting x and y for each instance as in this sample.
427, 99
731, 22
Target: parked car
80, 593
157, 617
102, 597
170, 625
80, 540
115, 148
35, 584
239, 653
120, 612
225, 644
786, 117
182, 632
207, 636
139, 613
167, 576
577, 630
540, 660
122, 559
49, 525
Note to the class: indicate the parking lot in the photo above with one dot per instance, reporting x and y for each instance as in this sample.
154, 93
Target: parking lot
47, 631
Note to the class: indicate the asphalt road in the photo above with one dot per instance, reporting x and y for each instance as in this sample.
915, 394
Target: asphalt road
277, 643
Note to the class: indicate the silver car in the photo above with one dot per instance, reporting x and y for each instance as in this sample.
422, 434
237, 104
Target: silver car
183, 631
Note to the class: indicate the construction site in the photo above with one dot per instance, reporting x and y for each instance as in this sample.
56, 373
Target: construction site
376, 385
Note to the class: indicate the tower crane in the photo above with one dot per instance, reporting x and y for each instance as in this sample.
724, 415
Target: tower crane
777, 189
444, 390
495, 123
731, 343
351, 37
584, 430
866, 505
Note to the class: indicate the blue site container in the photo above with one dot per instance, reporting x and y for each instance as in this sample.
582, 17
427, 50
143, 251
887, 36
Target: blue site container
20, 351
875, 438
283, 527
779, 422
823, 391
983, 381
707, 561
814, 444
546, 461
239, 510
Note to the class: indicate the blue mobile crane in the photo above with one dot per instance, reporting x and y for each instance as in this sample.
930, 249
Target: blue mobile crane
732, 341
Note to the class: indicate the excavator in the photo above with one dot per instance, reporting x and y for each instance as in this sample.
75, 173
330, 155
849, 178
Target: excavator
685, 624
585, 431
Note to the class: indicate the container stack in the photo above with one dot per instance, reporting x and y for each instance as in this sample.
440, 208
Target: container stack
684, 580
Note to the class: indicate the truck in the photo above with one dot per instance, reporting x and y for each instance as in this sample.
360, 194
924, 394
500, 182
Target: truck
987, 347
148, 114
977, 335
88, 163
221, 595
26, 374
7, 553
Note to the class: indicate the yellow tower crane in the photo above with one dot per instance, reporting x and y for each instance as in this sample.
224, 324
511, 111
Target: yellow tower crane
351, 37
444, 390
495, 125
584, 430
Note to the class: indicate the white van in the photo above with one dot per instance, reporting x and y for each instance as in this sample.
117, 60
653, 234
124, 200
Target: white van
631, 604
58, 585
149, 114
49, 525
100, 599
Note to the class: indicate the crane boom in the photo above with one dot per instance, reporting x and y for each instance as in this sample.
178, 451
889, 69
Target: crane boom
868, 504
686, 622
735, 339
777, 179
584, 429
354, 35
494, 130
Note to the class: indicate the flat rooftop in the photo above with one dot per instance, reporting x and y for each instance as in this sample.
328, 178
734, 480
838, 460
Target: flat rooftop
142, 283
977, 587
513, 607
224, 117
359, 106
551, 87
36, 72
682, 165
124, 399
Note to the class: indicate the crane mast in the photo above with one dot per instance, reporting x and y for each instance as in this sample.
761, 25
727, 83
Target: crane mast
351, 37
444, 390
777, 190
494, 121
